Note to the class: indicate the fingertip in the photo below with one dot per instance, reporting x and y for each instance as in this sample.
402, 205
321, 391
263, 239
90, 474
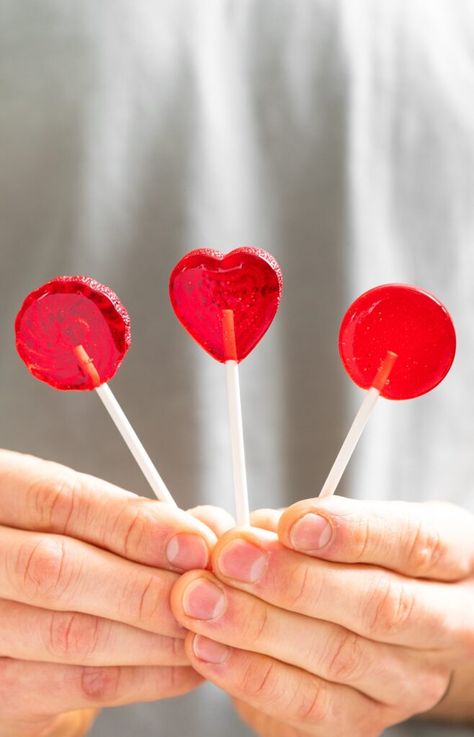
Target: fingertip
204, 652
312, 526
200, 526
310, 533
159, 535
176, 594
193, 542
190, 652
266, 519
261, 538
215, 518
186, 551
197, 597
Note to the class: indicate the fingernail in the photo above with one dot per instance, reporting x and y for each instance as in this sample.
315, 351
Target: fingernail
203, 600
187, 551
311, 532
210, 651
242, 561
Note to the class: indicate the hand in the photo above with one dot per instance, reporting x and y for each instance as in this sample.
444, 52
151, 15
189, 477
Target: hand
348, 621
86, 571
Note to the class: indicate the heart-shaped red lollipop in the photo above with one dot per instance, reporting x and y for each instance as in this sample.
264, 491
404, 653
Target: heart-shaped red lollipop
206, 284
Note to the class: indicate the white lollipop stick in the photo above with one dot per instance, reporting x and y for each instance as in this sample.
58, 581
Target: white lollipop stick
125, 429
358, 426
242, 513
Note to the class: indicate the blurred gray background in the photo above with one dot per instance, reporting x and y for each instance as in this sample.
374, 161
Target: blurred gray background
335, 134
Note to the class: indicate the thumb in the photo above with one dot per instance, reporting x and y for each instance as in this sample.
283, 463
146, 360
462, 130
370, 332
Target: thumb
422, 540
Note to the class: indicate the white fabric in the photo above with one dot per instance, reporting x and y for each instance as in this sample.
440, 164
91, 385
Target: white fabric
336, 134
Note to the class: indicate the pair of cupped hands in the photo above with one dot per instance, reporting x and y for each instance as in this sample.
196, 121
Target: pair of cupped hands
332, 618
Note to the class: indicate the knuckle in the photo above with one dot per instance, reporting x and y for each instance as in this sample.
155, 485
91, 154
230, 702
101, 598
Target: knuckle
132, 526
173, 681
41, 568
100, 685
344, 657
176, 649
260, 681
8, 678
257, 623
427, 549
313, 705
389, 607
54, 498
146, 598
360, 539
73, 635
301, 589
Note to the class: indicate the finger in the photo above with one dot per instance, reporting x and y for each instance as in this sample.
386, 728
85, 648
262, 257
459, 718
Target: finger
259, 722
218, 520
73, 724
63, 574
284, 692
373, 602
29, 633
266, 519
430, 540
47, 497
53, 689
385, 673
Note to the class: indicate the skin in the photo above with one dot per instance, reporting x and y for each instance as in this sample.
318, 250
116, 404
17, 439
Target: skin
340, 628
86, 572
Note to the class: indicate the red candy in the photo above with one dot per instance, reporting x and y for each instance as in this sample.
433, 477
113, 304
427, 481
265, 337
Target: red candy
72, 333
407, 321
226, 302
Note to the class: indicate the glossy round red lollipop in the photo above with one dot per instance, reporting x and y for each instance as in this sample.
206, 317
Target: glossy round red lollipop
72, 333
404, 320
206, 286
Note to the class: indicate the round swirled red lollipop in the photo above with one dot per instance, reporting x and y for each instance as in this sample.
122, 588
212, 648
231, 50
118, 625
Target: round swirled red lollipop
227, 302
397, 341
68, 317
73, 333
